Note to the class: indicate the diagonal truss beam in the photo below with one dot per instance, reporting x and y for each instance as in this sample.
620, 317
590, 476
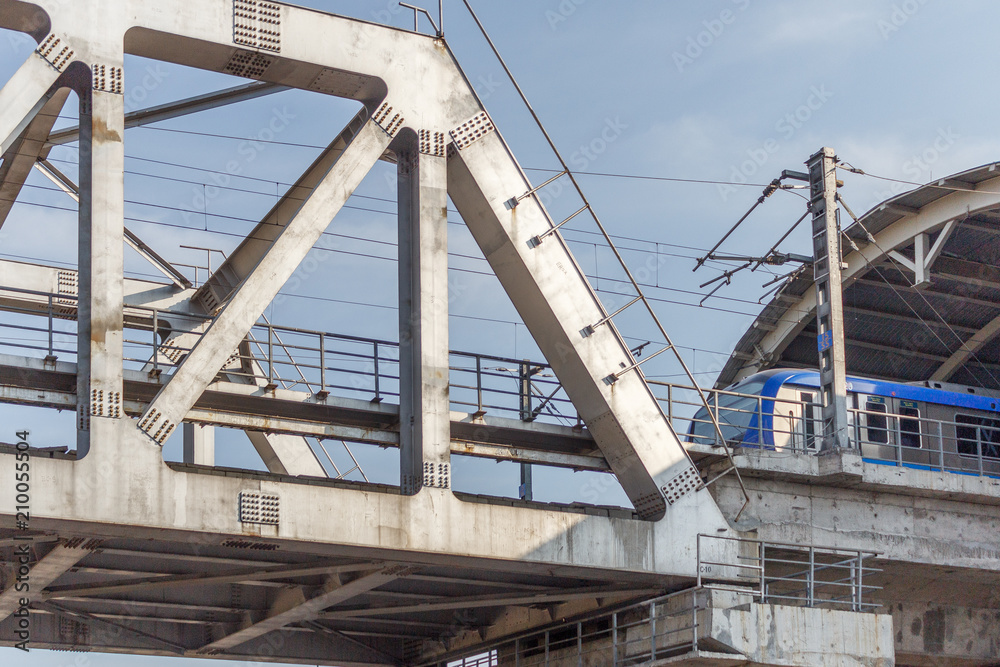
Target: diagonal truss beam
178, 109
241, 575
498, 600
239, 264
24, 153
292, 607
567, 320
283, 249
52, 566
23, 97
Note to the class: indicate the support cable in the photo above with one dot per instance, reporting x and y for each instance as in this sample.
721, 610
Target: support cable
774, 248
768, 191
618, 256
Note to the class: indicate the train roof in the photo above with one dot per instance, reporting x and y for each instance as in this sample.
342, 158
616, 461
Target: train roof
809, 378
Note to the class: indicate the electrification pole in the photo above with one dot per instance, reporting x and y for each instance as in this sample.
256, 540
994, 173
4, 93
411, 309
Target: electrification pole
829, 298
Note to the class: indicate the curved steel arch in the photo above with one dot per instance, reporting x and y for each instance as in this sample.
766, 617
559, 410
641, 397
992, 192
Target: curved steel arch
917, 224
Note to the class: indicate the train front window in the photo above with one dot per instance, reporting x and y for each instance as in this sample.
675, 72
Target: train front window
974, 433
909, 424
878, 422
736, 411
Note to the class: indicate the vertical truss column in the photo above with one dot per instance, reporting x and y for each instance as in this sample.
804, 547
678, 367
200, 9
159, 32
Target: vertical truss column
101, 253
424, 408
829, 298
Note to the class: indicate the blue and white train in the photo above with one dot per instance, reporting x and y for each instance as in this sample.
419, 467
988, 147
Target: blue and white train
938, 427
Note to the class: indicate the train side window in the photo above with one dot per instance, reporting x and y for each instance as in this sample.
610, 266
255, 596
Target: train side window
877, 422
909, 424
967, 434
973, 431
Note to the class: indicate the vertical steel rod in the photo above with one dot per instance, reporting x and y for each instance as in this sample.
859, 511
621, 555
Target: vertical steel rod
52, 326
156, 347
763, 559
479, 382
694, 620
579, 644
940, 426
322, 362
270, 355
614, 639
652, 631
378, 385
811, 582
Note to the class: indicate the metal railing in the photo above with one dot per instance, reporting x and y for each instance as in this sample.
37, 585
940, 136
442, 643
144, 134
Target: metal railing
633, 635
672, 625
273, 357
488, 659
793, 575
784, 425
322, 363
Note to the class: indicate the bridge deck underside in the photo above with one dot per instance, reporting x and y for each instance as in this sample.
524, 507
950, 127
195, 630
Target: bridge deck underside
177, 597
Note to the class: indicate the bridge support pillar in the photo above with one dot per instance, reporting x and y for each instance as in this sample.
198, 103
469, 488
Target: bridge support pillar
424, 407
101, 256
199, 444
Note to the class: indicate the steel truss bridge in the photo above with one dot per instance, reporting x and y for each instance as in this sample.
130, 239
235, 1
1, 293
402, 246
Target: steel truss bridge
128, 553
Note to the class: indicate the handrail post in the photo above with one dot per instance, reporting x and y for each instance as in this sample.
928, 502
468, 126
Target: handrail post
378, 385
156, 347
479, 383
614, 639
811, 582
322, 361
898, 433
763, 586
979, 450
52, 326
694, 621
270, 355
652, 631
760, 422
579, 644
940, 426
856, 581
718, 432
670, 404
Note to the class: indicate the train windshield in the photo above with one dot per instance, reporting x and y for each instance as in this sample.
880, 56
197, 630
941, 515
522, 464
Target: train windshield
737, 412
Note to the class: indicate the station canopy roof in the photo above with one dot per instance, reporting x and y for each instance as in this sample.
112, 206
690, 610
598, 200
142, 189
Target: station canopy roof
921, 292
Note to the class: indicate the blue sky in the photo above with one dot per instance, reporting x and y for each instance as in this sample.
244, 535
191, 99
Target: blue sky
717, 90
